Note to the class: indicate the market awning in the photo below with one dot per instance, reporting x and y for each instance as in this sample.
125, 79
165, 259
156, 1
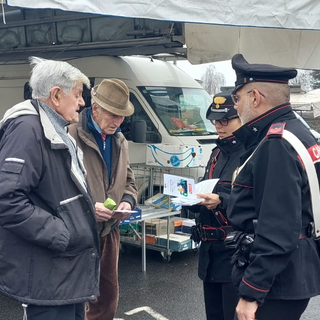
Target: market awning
293, 14
283, 33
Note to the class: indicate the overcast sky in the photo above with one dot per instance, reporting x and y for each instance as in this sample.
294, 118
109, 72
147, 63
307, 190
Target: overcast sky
197, 71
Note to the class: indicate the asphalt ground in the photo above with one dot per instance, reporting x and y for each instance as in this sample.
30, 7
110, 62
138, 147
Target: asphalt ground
166, 291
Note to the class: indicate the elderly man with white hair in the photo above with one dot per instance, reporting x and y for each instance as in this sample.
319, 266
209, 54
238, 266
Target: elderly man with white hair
106, 159
49, 248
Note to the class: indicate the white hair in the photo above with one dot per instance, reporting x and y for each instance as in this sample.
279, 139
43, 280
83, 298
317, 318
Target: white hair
47, 74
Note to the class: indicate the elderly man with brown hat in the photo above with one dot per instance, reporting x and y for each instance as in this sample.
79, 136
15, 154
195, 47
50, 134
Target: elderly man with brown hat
106, 159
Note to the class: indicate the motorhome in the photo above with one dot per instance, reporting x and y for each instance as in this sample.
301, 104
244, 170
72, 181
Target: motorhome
170, 108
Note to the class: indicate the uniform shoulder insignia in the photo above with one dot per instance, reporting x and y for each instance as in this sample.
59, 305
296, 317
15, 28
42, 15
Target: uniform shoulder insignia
276, 130
314, 152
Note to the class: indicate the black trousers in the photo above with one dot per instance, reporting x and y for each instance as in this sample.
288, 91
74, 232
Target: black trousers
65, 312
220, 300
282, 309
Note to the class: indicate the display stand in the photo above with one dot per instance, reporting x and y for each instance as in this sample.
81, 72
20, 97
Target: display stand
164, 250
151, 177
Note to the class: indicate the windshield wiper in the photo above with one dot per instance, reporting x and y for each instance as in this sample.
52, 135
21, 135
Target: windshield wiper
190, 132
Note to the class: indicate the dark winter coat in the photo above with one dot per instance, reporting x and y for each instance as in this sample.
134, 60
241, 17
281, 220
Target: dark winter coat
272, 188
49, 241
214, 258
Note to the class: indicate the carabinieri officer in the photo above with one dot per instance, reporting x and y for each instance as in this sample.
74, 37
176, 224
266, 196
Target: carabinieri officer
270, 199
214, 259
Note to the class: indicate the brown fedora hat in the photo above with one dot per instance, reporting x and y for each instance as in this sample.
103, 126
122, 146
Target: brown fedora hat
113, 96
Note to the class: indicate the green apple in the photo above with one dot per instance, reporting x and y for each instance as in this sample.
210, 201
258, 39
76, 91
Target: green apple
110, 204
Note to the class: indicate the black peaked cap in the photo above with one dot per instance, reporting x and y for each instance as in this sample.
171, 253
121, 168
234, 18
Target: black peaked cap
247, 72
221, 107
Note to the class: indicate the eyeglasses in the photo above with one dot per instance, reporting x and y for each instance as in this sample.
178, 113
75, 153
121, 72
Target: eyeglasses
236, 98
225, 121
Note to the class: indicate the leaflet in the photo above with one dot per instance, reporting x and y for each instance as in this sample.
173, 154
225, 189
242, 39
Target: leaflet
185, 190
206, 186
128, 211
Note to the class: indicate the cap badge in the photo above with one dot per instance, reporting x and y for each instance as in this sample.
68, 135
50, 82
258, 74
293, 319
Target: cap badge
218, 101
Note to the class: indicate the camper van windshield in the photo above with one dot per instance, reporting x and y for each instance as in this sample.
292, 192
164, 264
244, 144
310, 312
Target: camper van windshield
181, 110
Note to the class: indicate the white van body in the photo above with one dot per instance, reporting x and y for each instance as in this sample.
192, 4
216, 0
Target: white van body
159, 90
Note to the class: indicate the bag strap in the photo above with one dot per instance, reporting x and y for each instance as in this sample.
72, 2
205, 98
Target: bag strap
312, 178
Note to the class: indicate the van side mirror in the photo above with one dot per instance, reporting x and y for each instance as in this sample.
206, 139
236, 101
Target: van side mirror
139, 133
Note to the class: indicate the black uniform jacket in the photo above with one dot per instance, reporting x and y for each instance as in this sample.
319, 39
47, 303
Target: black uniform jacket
273, 189
214, 259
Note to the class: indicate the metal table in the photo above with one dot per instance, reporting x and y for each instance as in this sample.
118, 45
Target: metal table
147, 214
